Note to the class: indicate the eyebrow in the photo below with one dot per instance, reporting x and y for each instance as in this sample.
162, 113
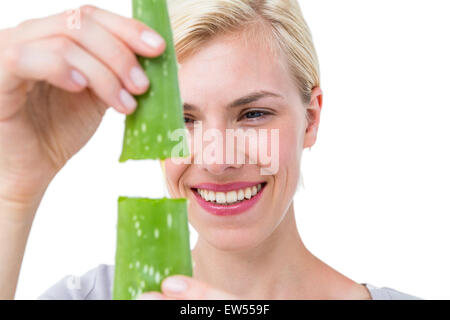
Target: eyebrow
252, 97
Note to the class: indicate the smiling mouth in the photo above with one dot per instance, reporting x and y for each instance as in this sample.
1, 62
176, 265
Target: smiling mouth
232, 197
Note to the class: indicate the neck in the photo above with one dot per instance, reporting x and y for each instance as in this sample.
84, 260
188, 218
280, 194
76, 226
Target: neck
278, 268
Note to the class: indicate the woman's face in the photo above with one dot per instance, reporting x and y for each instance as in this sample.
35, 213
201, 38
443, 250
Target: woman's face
220, 73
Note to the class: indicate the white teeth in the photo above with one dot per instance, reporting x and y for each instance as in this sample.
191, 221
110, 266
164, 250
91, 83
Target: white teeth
248, 193
230, 196
220, 197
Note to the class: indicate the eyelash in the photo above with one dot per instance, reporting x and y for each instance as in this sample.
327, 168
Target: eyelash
186, 119
264, 114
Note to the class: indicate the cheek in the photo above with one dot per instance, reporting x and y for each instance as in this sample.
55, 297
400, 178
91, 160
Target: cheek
289, 156
280, 147
290, 147
174, 171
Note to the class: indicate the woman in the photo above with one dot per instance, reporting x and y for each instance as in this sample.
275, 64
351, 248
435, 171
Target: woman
56, 83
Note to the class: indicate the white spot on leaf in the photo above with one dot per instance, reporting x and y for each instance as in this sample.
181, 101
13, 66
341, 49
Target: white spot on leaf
169, 220
138, 293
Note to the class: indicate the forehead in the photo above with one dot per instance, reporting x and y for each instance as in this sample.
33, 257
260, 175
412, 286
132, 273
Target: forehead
230, 66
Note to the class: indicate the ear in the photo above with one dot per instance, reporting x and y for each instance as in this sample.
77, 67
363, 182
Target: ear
313, 111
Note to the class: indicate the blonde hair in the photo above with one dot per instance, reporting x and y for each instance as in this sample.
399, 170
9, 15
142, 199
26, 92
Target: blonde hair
278, 25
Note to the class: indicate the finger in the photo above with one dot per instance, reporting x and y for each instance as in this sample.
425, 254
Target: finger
21, 63
187, 288
136, 34
98, 41
64, 64
142, 39
153, 296
105, 84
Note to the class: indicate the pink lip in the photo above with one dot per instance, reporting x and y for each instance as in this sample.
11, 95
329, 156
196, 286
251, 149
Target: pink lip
227, 210
226, 187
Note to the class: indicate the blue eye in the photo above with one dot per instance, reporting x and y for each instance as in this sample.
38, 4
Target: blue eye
255, 114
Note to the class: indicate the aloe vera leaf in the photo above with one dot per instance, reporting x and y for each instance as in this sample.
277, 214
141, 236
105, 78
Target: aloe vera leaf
160, 109
152, 244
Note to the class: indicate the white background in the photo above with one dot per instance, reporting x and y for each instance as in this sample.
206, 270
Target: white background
375, 206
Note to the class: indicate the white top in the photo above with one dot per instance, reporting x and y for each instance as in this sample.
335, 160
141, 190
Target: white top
97, 284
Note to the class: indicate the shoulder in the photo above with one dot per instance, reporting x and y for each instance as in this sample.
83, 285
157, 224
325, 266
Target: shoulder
385, 293
96, 284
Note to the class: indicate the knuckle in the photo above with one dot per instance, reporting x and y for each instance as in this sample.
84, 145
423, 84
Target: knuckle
11, 56
123, 59
88, 9
61, 45
113, 84
6, 35
57, 68
26, 23
138, 25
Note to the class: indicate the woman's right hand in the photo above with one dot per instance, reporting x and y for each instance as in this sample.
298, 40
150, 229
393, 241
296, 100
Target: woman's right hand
55, 86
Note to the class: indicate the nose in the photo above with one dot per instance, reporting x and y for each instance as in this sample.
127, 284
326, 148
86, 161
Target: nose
219, 169
213, 153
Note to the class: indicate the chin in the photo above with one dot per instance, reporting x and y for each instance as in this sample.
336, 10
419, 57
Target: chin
240, 239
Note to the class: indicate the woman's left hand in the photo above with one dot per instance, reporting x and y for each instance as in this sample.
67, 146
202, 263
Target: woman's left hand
186, 288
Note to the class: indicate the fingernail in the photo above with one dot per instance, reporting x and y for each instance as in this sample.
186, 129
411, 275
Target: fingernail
151, 39
127, 100
78, 78
174, 285
138, 77
150, 296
